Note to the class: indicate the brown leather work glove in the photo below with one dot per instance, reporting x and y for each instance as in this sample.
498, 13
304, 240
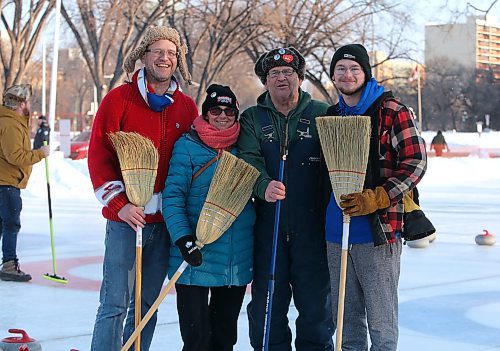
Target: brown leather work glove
369, 201
409, 204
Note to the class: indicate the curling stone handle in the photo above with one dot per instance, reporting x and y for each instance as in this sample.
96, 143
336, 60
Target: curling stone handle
24, 338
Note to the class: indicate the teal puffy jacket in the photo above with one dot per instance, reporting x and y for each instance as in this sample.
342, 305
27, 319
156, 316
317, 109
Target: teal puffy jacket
228, 260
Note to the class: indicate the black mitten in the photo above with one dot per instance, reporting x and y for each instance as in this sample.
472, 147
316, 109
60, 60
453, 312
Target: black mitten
416, 225
190, 252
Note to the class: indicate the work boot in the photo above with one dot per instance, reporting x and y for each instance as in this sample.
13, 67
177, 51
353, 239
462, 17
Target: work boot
11, 272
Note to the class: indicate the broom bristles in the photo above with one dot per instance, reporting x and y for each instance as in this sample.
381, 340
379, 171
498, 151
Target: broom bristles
345, 141
229, 192
138, 159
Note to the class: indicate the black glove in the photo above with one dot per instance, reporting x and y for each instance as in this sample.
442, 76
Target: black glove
415, 224
190, 252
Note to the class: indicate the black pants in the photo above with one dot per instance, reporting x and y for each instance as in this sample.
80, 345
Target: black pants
209, 325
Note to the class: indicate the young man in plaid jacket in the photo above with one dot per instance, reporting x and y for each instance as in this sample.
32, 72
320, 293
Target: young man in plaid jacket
397, 162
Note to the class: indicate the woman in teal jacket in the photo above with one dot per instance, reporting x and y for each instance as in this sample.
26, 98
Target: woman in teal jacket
224, 267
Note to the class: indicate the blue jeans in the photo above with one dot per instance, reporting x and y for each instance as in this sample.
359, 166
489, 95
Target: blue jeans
10, 221
117, 289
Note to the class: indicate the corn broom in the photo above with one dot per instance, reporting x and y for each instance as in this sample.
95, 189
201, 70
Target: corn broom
345, 141
229, 192
138, 159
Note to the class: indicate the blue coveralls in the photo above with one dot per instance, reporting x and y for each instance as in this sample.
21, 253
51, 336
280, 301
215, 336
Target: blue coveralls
301, 261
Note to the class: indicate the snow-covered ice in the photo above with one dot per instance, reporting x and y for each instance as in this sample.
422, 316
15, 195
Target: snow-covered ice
449, 291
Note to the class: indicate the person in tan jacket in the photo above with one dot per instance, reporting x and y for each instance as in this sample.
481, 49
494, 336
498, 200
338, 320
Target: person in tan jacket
16, 161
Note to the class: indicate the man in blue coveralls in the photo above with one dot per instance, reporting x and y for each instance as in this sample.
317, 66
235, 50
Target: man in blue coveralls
284, 116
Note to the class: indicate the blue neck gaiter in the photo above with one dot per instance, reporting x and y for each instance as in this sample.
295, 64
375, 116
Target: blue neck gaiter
371, 92
159, 102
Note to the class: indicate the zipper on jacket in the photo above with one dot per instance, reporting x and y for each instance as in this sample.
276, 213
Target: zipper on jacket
231, 282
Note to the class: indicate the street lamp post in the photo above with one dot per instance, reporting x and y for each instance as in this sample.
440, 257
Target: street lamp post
419, 98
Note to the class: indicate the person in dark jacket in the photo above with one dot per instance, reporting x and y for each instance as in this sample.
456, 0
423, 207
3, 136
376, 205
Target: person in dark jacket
439, 144
397, 162
42, 133
210, 292
285, 115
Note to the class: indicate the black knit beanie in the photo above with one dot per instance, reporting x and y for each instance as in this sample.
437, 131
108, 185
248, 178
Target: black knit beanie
290, 57
219, 95
355, 52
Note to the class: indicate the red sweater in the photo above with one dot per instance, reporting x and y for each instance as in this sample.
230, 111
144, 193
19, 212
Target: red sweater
124, 109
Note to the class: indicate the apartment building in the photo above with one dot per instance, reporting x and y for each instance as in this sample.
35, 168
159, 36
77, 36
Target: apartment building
474, 44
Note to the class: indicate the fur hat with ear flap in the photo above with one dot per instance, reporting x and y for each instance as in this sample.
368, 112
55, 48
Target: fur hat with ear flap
219, 95
153, 34
13, 96
290, 57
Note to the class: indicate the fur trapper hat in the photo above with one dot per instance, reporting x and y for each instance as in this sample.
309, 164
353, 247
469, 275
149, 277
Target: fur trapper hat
13, 96
290, 57
153, 34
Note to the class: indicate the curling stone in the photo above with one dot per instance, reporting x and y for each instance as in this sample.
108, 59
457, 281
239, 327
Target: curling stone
418, 244
486, 238
23, 343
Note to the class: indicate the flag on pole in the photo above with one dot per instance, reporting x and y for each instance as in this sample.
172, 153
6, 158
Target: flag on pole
414, 74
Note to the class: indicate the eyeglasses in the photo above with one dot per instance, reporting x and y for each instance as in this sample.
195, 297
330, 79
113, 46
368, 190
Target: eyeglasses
276, 72
229, 112
160, 53
341, 70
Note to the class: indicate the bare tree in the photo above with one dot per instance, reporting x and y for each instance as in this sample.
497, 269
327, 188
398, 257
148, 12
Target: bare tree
485, 10
107, 30
23, 29
445, 93
317, 28
483, 97
214, 31
217, 31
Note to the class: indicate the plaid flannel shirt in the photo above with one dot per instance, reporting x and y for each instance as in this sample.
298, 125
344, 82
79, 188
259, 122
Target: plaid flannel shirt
403, 161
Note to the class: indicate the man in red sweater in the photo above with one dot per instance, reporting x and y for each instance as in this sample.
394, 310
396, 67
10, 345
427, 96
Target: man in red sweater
153, 105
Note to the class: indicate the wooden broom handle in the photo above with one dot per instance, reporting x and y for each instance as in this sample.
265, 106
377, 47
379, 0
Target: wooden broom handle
155, 306
342, 281
138, 285
340, 308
